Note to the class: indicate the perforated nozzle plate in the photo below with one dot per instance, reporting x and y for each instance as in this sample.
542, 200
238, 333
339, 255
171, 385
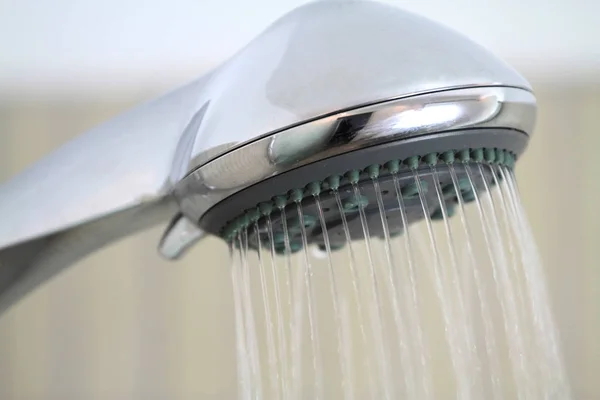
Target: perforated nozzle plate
267, 198
367, 200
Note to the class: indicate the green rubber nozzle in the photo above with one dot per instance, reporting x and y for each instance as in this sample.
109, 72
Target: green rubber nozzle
296, 195
229, 232
412, 190
280, 201
477, 155
279, 238
244, 221
313, 189
439, 214
431, 159
309, 220
468, 196
373, 171
510, 160
334, 182
393, 166
412, 162
489, 155
253, 214
355, 203
500, 156
464, 156
265, 208
353, 176
448, 157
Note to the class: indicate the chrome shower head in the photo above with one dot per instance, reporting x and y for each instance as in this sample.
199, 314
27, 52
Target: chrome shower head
328, 91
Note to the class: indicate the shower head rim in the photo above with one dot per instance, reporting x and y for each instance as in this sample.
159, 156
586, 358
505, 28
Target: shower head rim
503, 107
198, 160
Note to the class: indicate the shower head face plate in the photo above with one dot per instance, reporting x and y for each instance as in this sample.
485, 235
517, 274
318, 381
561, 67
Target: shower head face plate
341, 206
395, 166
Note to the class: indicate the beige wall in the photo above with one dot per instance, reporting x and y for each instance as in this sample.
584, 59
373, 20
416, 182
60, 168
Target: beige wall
123, 324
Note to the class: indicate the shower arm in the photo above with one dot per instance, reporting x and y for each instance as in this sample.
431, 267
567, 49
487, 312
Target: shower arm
104, 185
131, 172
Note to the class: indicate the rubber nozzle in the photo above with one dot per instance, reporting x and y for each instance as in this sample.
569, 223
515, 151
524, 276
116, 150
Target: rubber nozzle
353, 176
313, 189
393, 166
296, 195
412, 162
265, 208
334, 182
373, 171
431, 159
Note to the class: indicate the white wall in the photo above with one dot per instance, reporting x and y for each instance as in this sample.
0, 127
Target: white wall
68, 45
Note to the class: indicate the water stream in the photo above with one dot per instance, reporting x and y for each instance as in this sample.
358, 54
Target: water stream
448, 307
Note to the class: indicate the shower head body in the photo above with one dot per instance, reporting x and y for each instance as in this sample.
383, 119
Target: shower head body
299, 103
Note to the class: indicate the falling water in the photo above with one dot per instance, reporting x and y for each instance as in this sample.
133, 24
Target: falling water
410, 294
281, 335
420, 304
249, 322
489, 335
505, 293
387, 387
453, 323
531, 266
356, 291
274, 374
295, 308
312, 310
341, 322
245, 385
402, 333
452, 270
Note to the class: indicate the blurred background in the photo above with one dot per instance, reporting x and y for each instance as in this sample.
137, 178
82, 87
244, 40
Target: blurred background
124, 324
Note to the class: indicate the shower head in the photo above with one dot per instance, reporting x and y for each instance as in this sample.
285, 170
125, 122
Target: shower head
330, 95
